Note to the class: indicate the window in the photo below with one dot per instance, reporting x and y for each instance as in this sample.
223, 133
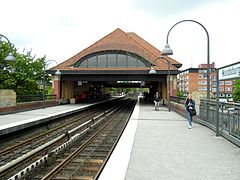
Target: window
221, 89
122, 60
132, 62
113, 59
228, 89
102, 60
204, 89
202, 82
228, 82
92, 62
221, 82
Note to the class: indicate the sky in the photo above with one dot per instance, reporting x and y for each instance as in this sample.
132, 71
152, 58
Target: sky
59, 29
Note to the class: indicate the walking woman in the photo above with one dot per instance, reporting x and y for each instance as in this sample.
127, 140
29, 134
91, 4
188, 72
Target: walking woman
189, 104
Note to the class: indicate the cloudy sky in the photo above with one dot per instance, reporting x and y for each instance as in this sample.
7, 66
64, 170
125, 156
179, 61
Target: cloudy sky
60, 29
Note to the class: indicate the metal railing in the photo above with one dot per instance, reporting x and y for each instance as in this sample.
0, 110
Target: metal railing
229, 116
179, 100
31, 98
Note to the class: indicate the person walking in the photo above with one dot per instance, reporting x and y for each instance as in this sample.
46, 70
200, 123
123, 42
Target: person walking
156, 99
189, 104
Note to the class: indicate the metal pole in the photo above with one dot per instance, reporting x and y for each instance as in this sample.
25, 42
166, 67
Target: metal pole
168, 86
6, 39
217, 105
208, 55
57, 73
44, 86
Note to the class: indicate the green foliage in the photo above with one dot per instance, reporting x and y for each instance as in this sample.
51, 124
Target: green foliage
125, 90
236, 92
180, 93
23, 76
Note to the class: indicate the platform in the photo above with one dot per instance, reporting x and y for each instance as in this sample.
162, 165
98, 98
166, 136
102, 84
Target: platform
21, 120
158, 145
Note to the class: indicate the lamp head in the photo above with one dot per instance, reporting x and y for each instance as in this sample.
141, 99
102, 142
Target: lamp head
58, 72
10, 58
167, 50
152, 71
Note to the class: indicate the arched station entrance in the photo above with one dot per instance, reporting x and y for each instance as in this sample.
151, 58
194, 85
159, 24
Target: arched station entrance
117, 60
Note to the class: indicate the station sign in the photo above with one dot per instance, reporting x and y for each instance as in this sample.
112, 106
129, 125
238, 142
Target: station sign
229, 72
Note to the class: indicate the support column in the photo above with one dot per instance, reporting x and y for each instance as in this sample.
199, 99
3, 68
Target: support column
56, 86
164, 92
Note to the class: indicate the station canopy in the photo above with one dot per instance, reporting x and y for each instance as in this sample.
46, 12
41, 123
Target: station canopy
119, 56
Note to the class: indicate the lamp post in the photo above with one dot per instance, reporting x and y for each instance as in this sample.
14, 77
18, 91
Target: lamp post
10, 57
153, 71
58, 73
168, 51
217, 104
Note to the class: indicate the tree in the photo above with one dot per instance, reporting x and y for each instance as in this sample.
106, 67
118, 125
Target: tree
236, 92
23, 76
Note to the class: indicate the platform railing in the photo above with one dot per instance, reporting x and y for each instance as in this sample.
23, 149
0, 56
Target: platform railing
179, 100
229, 116
31, 98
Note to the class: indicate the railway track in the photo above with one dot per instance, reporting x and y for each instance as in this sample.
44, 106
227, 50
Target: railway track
47, 152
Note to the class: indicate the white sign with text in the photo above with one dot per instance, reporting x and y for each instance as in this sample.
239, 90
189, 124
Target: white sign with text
230, 72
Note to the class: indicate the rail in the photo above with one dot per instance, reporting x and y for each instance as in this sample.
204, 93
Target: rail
229, 115
179, 100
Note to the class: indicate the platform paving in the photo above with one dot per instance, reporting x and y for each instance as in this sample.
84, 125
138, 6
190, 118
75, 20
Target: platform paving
20, 120
159, 146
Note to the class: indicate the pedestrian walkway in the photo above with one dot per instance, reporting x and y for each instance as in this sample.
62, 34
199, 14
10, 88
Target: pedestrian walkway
164, 148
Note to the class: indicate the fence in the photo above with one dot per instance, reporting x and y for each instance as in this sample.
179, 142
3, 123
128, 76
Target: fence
229, 115
31, 98
179, 100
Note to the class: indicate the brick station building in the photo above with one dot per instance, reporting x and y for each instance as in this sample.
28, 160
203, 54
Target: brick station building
119, 59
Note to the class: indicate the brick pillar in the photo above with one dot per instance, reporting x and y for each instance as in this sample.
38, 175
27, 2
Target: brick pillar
56, 85
173, 85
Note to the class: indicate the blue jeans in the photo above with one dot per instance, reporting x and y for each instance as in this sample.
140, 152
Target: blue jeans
189, 119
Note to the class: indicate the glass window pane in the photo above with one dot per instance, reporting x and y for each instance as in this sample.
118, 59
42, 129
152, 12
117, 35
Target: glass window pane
122, 60
92, 62
83, 64
140, 63
102, 60
112, 60
132, 62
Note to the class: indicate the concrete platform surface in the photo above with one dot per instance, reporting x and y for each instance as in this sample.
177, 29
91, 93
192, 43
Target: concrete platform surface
165, 149
17, 121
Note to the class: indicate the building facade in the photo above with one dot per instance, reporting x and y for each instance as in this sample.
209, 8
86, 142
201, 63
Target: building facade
195, 79
118, 57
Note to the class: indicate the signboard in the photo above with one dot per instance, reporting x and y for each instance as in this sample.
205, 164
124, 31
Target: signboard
229, 72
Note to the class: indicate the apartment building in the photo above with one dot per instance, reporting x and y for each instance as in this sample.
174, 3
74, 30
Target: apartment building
195, 79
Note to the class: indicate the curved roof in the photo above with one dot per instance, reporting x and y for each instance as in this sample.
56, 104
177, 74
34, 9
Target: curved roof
119, 40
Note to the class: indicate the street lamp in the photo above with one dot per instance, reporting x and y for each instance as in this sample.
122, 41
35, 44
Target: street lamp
10, 57
57, 73
168, 51
153, 71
